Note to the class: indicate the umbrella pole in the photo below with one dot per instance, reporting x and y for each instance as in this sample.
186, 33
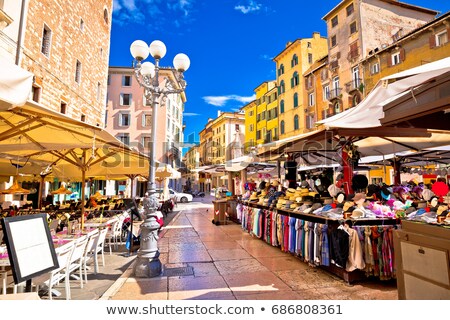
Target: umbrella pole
83, 183
41, 186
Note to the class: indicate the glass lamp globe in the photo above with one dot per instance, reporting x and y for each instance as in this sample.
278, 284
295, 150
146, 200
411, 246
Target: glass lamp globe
139, 50
158, 49
181, 62
148, 69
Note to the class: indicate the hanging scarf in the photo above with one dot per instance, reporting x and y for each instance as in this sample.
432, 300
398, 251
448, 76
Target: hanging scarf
325, 248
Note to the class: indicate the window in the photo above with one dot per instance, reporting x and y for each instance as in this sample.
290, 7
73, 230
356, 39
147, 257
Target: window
354, 51
310, 99
78, 72
353, 27
258, 117
125, 99
251, 128
337, 107
109, 80
282, 127
106, 15
333, 41
146, 120
46, 41
375, 68
294, 60
81, 25
124, 137
310, 122
326, 92
258, 134
334, 21
63, 108
35, 94
250, 113
282, 106
355, 77
395, 58
441, 38
295, 80
308, 45
281, 70
281, 88
310, 58
83, 118
350, 9
335, 82
355, 100
296, 124
99, 91
126, 81
263, 115
295, 100
124, 119
145, 140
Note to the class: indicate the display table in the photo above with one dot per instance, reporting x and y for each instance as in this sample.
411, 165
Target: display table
422, 261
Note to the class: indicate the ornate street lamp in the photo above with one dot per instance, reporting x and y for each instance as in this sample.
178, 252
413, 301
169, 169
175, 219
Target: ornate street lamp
155, 92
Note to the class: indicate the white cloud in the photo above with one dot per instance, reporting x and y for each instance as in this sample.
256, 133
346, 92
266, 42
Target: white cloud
151, 12
190, 114
220, 101
251, 6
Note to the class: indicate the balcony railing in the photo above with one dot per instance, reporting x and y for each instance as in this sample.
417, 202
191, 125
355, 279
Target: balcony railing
353, 85
334, 93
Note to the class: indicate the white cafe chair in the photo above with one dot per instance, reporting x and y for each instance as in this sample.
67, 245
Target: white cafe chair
92, 238
76, 262
98, 249
54, 277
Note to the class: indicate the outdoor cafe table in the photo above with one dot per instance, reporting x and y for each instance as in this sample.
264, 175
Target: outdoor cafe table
99, 222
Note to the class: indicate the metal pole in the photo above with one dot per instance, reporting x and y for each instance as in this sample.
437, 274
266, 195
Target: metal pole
147, 262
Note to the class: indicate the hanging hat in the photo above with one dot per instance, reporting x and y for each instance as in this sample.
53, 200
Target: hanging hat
357, 213
275, 183
348, 206
442, 210
254, 196
359, 182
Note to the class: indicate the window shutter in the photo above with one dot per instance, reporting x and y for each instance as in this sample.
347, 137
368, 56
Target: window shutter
402, 54
121, 99
389, 60
432, 41
448, 34
292, 82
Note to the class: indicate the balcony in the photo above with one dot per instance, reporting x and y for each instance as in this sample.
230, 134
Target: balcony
353, 85
5, 20
334, 94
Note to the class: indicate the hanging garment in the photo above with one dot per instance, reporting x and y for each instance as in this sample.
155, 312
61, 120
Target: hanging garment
267, 227
292, 234
311, 241
306, 241
275, 242
355, 255
280, 230
375, 236
317, 243
324, 248
286, 234
298, 240
339, 247
368, 253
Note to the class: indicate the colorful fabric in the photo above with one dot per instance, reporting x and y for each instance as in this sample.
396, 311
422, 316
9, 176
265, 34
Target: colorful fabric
324, 247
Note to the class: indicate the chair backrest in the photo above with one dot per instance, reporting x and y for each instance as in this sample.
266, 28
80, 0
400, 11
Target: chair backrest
79, 250
54, 224
92, 238
64, 254
100, 241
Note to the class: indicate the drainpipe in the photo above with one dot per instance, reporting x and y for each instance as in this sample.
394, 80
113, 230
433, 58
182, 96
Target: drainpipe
20, 36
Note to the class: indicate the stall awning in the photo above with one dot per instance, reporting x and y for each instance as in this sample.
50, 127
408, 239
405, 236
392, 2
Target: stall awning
15, 84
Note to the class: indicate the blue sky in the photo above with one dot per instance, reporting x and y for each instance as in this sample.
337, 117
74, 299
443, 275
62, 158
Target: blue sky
230, 43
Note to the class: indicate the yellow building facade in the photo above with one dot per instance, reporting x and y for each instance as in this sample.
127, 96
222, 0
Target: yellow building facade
249, 111
266, 112
291, 64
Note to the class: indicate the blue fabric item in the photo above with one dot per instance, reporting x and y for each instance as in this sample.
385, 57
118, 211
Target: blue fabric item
292, 234
420, 211
327, 207
325, 248
385, 196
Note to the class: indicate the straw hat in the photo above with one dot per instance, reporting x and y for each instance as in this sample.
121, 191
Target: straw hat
275, 183
254, 196
290, 191
357, 213
442, 210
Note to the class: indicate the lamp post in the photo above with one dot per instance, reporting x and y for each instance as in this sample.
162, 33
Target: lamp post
148, 264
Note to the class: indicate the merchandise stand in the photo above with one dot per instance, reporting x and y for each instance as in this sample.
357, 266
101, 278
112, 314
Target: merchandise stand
349, 277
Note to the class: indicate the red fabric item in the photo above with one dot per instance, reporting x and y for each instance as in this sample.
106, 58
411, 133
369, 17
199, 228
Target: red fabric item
440, 188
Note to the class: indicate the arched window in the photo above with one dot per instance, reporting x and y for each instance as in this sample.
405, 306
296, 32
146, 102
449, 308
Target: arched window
282, 106
295, 100
356, 99
294, 60
296, 125
281, 70
281, 88
106, 15
337, 107
282, 127
295, 80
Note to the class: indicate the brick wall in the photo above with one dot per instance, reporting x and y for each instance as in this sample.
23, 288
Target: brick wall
71, 40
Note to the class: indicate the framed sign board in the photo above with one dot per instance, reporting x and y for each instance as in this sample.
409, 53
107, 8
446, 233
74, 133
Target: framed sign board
30, 246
